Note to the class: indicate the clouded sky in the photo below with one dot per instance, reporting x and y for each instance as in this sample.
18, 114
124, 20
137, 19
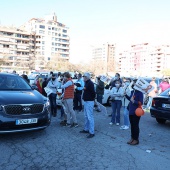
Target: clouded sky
94, 22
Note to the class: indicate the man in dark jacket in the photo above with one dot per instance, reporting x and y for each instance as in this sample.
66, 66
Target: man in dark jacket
88, 97
99, 91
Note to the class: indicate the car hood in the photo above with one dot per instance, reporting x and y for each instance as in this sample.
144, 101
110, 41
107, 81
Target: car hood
21, 97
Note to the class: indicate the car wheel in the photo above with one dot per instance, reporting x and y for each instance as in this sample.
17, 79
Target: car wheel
109, 102
161, 121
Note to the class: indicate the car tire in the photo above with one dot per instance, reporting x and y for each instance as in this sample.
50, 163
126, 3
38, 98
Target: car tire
161, 121
109, 102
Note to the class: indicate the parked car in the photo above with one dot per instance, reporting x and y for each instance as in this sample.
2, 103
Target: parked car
161, 107
21, 107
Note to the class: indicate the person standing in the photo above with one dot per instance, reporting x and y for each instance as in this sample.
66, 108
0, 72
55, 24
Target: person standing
127, 91
78, 93
136, 99
99, 91
44, 84
117, 94
53, 84
88, 97
164, 85
68, 100
152, 94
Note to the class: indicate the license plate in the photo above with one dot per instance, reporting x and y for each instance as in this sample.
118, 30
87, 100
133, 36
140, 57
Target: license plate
166, 106
26, 121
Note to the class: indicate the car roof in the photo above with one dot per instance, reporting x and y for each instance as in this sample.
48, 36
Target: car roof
8, 74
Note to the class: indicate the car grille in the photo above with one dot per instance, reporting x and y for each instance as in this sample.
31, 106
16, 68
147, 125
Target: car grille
23, 109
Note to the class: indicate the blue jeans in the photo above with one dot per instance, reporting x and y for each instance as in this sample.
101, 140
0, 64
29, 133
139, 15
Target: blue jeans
126, 116
116, 106
99, 98
52, 98
89, 118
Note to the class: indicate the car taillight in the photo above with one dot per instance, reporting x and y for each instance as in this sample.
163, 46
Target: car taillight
153, 103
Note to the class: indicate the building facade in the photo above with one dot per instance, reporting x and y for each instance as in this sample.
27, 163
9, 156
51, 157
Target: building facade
103, 58
53, 37
16, 47
144, 59
35, 43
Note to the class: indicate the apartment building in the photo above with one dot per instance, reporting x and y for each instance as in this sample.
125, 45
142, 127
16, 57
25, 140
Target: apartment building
144, 59
104, 57
52, 37
37, 40
16, 47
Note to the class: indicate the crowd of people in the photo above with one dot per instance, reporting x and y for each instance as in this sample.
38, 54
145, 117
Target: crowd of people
122, 92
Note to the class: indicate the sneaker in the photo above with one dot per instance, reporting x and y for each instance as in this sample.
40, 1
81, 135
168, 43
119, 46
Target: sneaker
110, 123
126, 127
68, 124
122, 127
117, 124
84, 131
74, 125
90, 135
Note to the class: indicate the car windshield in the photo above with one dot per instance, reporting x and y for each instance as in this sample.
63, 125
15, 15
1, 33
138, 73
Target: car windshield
9, 82
32, 76
166, 92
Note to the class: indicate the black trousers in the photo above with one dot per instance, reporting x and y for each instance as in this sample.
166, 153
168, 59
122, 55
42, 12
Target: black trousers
77, 101
134, 121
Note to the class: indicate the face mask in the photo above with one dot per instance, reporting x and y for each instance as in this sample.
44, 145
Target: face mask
116, 77
117, 85
53, 79
127, 83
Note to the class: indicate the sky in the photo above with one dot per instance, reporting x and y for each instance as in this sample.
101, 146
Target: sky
95, 22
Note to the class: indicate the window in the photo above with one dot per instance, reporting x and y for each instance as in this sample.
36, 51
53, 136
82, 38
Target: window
53, 43
56, 49
42, 52
49, 28
43, 47
52, 28
55, 34
65, 31
43, 42
53, 39
41, 31
42, 26
55, 29
52, 49
64, 35
49, 33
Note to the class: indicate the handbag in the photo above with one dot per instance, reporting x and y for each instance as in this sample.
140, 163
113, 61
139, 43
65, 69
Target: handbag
139, 111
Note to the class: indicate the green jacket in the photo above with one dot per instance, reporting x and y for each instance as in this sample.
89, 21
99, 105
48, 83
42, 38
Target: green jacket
100, 87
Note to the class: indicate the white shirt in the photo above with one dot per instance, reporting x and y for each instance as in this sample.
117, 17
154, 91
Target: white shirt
117, 93
53, 85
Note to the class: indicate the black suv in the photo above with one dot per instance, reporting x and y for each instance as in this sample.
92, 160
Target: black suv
21, 107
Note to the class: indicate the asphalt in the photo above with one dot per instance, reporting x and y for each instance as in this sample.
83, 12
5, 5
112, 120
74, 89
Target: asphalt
64, 148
